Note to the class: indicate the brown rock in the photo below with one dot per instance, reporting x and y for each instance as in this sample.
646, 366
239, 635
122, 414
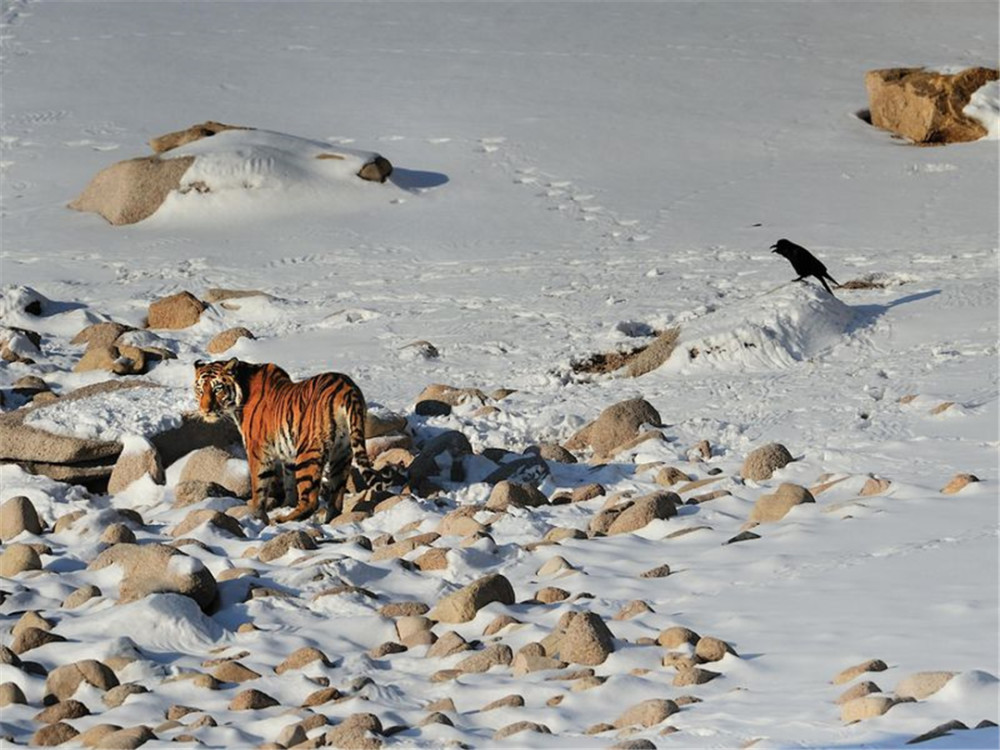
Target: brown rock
132, 190
677, 636
301, 658
197, 518
634, 608
660, 571
95, 734
177, 311
519, 495
386, 649
499, 623
319, 697
668, 476
233, 671
693, 676
857, 690
135, 464
616, 424
762, 462
80, 596
518, 727
926, 106
168, 141
11, 694
463, 605
116, 696
866, 707
126, 739
872, 665
353, 733
448, 644
63, 681
587, 640
922, 685
152, 568
19, 558
18, 515
435, 558
774, 507
551, 595
654, 355
483, 661
712, 649
875, 486
658, 505
508, 701
52, 735
67, 709
279, 546
252, 700
649, 713
958, 483
225, 340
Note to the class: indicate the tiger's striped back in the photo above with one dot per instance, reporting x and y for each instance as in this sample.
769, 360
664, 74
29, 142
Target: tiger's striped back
312, 429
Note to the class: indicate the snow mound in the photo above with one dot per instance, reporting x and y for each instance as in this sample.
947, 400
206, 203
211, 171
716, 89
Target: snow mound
263, 169
165, 622
984, 106
774, 330
116, 414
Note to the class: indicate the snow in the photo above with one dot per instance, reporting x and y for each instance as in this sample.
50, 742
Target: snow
570, 178
985, 107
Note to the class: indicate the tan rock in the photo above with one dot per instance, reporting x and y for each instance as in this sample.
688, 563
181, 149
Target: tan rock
874, 486
52, 735
233, 671
677, 636
354, 733
225, 340
587, 640
648, 713
249, 700
866, 707
658, 505
508, 701
168, 141
527, 662
634, 608
132, 465
448, 644
214, 518
654, 355
213, 464
616, 425
301, 658
67, 709
31, 637
872, 665
926, 106
519, 495
436, 558
62, 682
17, 559
11, 694
30, 619
483, 661
922, 685
180, 310
958, 483
551, 595
857, 690
518, 727
693, 676
775, 506
660, 571
463, 605
762, 462
668, 476
279, 546
712, 649
157, 568
386, 649
132, 190
80, 596
116, 696
18, 515
319, 697
95, 734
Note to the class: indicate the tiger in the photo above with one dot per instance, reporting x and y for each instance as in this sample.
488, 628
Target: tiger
312, 429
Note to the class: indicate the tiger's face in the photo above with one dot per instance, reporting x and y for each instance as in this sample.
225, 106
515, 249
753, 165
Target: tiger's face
217, 390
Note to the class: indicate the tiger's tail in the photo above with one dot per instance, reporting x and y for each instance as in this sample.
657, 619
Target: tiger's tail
356, 412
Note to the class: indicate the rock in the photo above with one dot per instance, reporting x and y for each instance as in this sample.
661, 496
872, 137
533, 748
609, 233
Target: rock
319, 697
762, 462
11, 694
162, 143
442, 704
867, 707
157, 568
386, 649
658, 505
220, 521
639, 743
553, 452
95, 734
958, 483
922, 685
302, 658
676, 636
18, 558
225, 340
448, 644
654, 355
693, 676
80, 596
132, 190
634, 608
195, 490
872, 665
411, 629
126, 739
680, 661
874, 486
279, 546
403, 609
118, 695
518, 727
18, 515
614, 426
177, 311
353, 732
463, 605
32, 637
743, 536
926, 106
499, 623
551, 595
437, 396
291, 735
62, 682
587, 640
857, 691
774, 507
139, 459
712, 649
52, 735
506, 493
483, 661
941, 730
233, 671
508, 701
668, 476
449, 445
555, 566
435, 558
649, 713
117, 533
660, 571
251, 700
213, 464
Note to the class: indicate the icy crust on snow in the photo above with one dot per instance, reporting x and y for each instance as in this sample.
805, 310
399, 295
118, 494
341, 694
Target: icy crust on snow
112, 416
984, 106
776, 329
242, 168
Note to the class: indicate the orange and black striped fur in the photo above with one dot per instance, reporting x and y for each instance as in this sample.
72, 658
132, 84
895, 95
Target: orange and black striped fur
311, 429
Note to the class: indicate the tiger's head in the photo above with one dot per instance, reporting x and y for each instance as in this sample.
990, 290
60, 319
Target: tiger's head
217, 389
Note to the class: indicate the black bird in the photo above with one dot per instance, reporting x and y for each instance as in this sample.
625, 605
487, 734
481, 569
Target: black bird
804, 262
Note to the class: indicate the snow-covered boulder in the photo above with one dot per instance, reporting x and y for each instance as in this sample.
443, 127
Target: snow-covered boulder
927, 106
193, 166
157, 569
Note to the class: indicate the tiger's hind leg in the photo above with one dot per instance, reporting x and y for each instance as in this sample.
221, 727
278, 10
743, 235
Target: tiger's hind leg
335, 474
308, 469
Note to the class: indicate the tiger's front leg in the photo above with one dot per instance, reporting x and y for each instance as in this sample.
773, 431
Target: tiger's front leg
308, 470
263, 476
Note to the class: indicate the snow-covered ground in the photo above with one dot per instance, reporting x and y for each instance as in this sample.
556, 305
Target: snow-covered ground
569, 178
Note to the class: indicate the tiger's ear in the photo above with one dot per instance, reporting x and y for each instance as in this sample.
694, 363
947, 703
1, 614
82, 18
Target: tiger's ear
232, 364
198, 363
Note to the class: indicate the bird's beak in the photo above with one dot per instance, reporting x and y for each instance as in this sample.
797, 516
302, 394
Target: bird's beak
774, 248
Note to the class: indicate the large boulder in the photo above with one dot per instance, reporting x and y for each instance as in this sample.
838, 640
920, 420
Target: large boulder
179, 310
762, 462
62, 682
212, 464
138, 459
462, 605
658, 505
924, 105
17, 515
132, 190
776, 505
168, 141
586, 640
615, 426
157, 568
